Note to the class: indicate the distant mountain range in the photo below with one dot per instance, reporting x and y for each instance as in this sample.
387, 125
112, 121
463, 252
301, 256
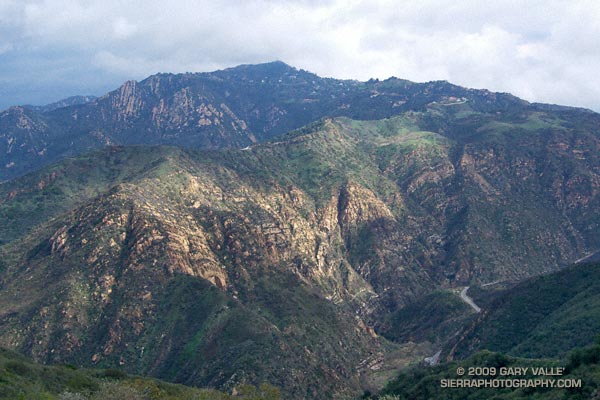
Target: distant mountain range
261, 223
69, 101
232, 108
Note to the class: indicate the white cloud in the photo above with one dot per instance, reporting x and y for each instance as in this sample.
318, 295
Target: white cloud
541, 50
123, 29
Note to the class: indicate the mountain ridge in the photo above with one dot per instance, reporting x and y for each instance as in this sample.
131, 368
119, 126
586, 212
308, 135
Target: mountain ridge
234, 107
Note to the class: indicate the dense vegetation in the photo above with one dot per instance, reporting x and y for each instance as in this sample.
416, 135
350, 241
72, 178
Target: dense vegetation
434, 317
546, 316
425, 383
22, 379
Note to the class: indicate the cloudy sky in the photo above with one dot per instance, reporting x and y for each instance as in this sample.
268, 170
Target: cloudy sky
545, 51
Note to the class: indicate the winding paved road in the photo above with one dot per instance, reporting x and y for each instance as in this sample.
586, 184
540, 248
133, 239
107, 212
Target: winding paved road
468, 300
435, 359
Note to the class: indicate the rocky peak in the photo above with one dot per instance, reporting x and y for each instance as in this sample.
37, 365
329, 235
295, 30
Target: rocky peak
127, 101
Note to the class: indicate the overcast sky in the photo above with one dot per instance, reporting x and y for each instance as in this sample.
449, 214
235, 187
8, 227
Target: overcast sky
546, 51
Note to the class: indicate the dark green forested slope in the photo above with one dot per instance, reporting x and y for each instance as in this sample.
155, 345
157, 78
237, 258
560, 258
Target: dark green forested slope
545, 316
581, 369
20, 378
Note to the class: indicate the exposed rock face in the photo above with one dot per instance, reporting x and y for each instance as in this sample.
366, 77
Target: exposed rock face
112, 262
95, 290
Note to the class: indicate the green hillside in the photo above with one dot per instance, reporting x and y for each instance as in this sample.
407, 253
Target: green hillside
545, 316
581, 368
22, 379
434, 318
